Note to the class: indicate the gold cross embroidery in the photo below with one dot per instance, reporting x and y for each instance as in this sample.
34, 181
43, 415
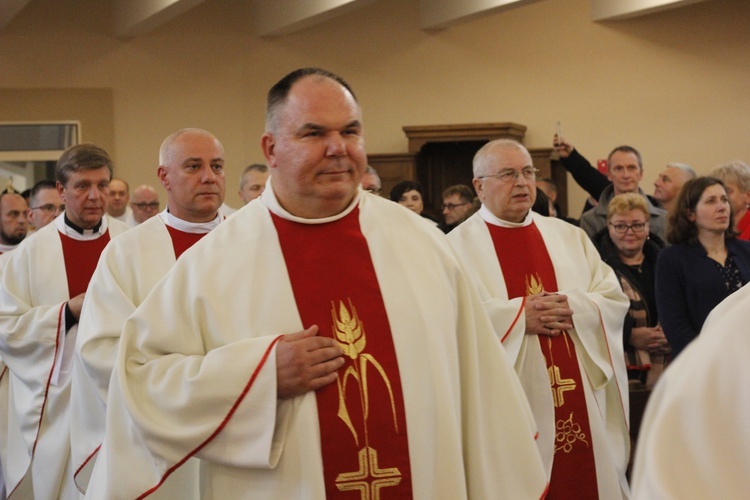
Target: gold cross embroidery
369, 479
559, 385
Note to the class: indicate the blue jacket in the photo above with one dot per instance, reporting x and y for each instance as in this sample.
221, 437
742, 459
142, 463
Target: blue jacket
689, 286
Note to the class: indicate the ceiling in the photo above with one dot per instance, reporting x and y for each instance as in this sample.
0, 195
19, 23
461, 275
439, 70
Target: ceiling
269, 18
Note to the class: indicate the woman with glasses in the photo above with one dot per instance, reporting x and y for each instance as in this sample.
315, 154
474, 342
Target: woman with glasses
631, 250
705, 264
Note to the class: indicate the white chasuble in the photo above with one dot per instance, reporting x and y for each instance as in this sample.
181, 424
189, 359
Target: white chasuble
37, 346
694, 441
205, 385
129, 268
599, 309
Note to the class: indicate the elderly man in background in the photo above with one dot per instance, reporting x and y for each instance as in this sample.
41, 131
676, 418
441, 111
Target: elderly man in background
669, 182
191, 169
265, 385
558, 310
371, 181
736, 178
43, 287
144, 203
253, 182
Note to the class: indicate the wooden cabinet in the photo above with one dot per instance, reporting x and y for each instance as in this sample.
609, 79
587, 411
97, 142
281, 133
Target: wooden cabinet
441, 156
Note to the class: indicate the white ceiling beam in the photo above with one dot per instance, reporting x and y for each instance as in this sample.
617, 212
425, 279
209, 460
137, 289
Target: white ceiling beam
609, 10
9, 9
280, 17
438, 14
133, 18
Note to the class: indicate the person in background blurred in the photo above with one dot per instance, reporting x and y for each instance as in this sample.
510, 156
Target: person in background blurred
411, 195
13, 222
45, 204
704, 264
371, 181
736, 177
457, 206
119, 196
145, 203
669, 182
253, 182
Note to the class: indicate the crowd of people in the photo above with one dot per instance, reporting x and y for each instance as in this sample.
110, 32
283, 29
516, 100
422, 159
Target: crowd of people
364, 353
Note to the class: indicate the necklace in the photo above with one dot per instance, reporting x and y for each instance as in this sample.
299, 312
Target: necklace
636, 266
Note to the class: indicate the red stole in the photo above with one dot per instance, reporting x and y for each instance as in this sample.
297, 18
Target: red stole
81, 257
362, 419
527, 270
182, 240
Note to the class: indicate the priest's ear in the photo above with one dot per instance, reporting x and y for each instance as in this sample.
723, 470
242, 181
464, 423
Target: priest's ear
163, 174
60, 190
268, 145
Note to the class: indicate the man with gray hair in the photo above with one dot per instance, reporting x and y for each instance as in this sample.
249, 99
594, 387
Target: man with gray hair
371, 181
736, 178
191, 169
253, 182
43, 287
356, 359
558, 311
669, 182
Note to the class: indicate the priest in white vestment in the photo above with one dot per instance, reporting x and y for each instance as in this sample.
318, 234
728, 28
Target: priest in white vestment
567, 295
43, 286
191, 169
423, 404
694, 440
45, 204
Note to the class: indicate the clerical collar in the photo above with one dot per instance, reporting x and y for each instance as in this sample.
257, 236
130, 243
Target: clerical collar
272, 203
81, 230
65, 226
190, 227
490, 218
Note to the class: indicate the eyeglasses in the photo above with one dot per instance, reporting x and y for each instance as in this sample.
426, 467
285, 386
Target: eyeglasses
453, 206
143, 206
621, 228
373, 190
510, 175
49, 207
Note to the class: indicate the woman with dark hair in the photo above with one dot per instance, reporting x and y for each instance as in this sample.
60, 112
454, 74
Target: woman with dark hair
411, 195
705, 264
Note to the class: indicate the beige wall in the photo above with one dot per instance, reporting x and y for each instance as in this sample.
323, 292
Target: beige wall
92, 107
673, 84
